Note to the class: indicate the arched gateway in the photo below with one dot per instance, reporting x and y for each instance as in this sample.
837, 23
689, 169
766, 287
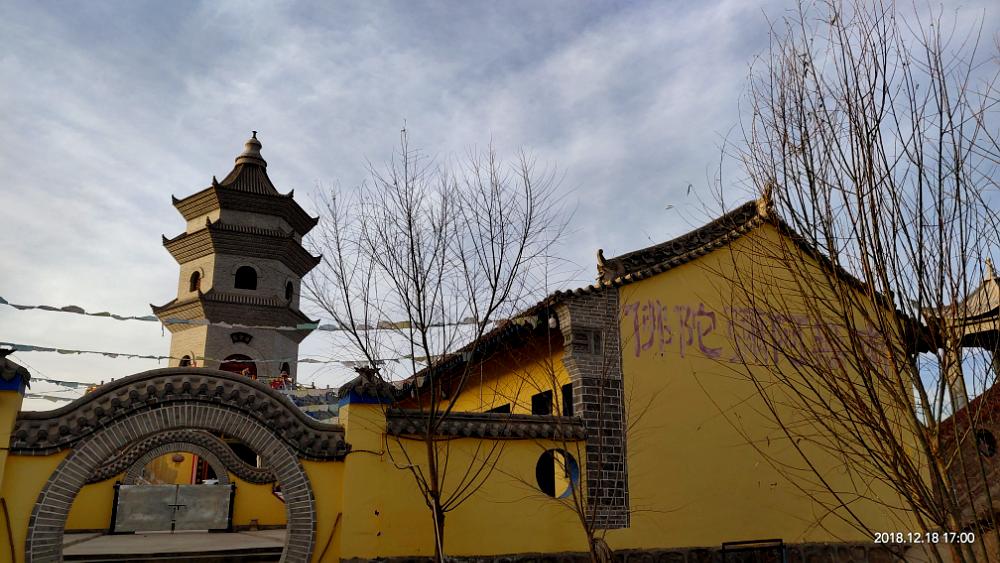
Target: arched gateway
146, 411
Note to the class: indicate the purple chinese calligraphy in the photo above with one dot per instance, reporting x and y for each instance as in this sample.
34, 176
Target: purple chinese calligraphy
741, 335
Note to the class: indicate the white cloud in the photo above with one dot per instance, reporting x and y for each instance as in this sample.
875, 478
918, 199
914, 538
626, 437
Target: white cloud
110, 109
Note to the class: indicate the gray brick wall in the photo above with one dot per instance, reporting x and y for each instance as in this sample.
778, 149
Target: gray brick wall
589, 323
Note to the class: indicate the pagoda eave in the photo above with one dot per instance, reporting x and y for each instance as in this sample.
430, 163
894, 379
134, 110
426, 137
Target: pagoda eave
242, 241
233, 309
217, 197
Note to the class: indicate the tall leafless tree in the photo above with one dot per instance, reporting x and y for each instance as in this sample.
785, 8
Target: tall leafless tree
422, 260
873, 140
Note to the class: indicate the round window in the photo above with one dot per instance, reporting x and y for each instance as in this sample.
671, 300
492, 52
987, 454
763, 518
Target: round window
557, 473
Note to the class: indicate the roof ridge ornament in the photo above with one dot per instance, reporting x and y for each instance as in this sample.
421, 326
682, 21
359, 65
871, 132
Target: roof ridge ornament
251, 152
991, 272
765, 203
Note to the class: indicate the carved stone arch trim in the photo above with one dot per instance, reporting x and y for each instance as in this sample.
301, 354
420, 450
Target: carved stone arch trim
121, 462
135, 471
48, 432
44, 540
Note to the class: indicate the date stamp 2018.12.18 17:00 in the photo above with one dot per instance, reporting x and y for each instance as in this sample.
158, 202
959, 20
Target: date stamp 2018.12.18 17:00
896, 538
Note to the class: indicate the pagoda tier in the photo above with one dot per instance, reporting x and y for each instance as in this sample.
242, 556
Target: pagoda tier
242, 240
247, 188
217, 196
234, 308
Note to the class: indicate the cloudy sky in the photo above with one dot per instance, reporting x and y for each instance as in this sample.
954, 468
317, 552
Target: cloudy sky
109, 108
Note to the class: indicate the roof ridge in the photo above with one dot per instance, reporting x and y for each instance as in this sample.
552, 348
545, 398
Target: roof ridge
640, 262
249, 177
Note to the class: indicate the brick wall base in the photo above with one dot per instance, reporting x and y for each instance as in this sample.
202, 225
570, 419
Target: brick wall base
795, 553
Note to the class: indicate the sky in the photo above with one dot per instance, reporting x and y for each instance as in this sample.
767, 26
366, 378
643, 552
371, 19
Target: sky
109, 108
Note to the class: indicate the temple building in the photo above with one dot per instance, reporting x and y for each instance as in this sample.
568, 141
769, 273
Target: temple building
241, 264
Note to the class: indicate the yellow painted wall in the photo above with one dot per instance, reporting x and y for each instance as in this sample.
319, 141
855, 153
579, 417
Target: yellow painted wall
92, 507
163, 470
327, 480
386, 516
694, 478
10, 405
538, 367
256, 501
24, 477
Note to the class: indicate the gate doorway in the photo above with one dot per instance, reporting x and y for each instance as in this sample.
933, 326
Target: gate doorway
161, 508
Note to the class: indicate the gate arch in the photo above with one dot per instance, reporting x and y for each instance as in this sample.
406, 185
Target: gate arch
100, 425
134, 472
128, 458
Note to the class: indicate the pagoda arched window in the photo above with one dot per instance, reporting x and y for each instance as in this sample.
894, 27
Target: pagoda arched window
185, 362
289, 291
246, 278
195, 281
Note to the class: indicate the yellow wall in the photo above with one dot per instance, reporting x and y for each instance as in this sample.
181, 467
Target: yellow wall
386, 515
24, 477
694, 412
327, 480
91, 508
256, 502
538, 367
164, 470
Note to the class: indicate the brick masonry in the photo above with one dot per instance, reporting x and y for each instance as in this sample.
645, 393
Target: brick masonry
183, 440
795, 553
142, 407
589, 323
214, 462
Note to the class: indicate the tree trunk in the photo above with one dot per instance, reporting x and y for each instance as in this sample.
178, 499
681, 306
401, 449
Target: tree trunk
438, 515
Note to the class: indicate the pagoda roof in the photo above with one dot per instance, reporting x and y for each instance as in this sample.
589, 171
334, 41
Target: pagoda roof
222, 307
242, 240
247, 187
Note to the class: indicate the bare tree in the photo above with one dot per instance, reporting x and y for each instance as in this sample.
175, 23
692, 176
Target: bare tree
873, 140
420, 261
576, 464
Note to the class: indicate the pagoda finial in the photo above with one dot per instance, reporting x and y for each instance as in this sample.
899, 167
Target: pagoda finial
251, 152
991, 272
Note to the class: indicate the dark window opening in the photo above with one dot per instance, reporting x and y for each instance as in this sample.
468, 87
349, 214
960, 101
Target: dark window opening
203, 471
185, 361
567, 399
289, 291
195, 283
545, 474
557, 473
238, 363
285, 368
240, 337
541, 403
986, 442
588, 341
244, 452
502, 409
246, 278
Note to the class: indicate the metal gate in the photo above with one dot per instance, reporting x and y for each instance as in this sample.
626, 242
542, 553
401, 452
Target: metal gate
151, 508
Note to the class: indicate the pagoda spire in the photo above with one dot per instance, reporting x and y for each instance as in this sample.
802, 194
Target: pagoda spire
251, 152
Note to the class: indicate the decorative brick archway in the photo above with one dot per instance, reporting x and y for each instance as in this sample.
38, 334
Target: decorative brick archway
134, 472
193, 441
103, 424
